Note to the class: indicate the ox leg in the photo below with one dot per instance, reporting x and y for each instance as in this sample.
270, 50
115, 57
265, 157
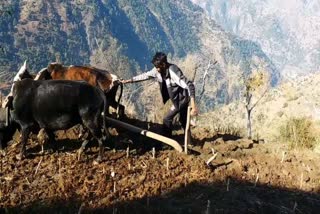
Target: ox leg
85, 135
120, 111
46, 139
101, 149
52, 141
97, 134
43, 139
92, 123
2, 152
82, 148
23, 140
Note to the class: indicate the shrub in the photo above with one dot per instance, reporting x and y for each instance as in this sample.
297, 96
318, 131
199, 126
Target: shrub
299, 133
229, 129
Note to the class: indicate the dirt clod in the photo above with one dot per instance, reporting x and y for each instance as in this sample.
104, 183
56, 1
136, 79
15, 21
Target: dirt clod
243, 177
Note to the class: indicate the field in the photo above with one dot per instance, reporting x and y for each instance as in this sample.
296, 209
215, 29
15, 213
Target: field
245, 177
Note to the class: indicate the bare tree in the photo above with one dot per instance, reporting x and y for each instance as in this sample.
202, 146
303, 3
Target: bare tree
256, 86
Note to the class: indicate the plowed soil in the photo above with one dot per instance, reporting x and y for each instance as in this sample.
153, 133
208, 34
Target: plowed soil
245, 176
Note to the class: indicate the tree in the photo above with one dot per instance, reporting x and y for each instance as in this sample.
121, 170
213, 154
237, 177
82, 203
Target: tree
256, 86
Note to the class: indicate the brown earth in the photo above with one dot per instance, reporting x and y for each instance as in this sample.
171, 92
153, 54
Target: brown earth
245, 177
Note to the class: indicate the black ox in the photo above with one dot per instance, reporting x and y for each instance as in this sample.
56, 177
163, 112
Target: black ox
57, 105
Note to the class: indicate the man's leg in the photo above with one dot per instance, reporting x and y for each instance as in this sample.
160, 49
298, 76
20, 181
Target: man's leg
183, 116
167, 122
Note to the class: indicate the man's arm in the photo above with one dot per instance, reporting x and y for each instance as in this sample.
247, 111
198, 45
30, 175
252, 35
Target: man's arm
142, 77
178, 77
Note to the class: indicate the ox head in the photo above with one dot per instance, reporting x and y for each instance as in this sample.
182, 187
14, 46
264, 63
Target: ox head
55, 66
115, 80
45, 73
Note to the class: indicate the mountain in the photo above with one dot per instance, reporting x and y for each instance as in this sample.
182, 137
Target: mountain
75, 32
287, 30
123, 35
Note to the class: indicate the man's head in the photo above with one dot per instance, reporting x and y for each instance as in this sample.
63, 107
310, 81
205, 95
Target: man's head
160, 61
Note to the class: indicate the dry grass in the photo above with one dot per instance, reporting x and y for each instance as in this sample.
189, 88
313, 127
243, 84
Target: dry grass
229, 129
299, 133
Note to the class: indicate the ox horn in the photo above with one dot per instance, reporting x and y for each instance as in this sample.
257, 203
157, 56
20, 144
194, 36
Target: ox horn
23, 68
20, 72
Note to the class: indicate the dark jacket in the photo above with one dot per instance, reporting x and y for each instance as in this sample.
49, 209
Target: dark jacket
173, 85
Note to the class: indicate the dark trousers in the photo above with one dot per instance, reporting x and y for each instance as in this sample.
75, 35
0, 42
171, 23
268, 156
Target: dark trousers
168, 119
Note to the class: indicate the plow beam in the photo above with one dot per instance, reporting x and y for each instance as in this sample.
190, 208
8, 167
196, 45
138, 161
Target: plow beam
147, 133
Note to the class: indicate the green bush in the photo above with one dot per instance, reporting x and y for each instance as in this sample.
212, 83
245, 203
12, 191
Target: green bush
299, 133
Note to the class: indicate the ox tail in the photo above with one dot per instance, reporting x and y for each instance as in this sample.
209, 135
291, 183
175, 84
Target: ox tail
120, 95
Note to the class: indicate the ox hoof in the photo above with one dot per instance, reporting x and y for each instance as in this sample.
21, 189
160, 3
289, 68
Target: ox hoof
42, 152
97, 161
79, 154
20, 156
2, 152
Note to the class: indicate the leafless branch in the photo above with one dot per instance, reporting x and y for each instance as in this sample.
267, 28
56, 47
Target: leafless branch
205, 74
254, 105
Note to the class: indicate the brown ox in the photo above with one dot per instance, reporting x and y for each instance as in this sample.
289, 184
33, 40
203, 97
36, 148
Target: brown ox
97, 77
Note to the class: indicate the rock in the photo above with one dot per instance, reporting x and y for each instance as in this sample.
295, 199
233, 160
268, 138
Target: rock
207, 146
219, 141
232, 147
245, 143
307, 179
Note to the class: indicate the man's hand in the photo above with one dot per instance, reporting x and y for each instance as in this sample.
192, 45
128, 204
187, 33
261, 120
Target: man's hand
194, 109
126, 81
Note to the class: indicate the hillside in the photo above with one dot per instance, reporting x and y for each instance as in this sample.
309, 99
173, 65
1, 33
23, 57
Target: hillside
287, 31
223, 171
291, 99
246, 176
122, 36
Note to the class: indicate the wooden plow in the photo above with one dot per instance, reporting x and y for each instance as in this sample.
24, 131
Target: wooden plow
147, 133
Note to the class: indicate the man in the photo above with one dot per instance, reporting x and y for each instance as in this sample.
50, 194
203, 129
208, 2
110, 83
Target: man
173, 85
